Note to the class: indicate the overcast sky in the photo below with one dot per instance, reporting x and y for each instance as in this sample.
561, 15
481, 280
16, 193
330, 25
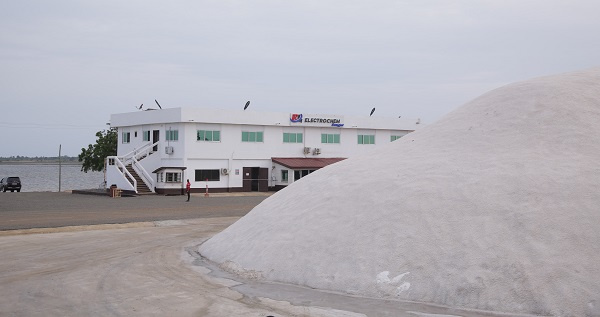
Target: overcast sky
66, 66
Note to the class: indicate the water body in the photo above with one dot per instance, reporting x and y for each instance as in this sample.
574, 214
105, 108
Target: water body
44, 177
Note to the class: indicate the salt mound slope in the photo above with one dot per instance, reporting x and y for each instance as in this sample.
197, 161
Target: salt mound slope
495, 207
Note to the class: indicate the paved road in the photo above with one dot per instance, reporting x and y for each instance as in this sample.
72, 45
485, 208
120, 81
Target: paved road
50, 210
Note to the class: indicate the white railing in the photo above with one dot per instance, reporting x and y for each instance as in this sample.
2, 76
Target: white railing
123, 171
139, 153
134, 158
143, 173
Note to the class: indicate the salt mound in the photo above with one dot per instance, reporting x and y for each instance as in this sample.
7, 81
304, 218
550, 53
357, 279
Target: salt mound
495, 207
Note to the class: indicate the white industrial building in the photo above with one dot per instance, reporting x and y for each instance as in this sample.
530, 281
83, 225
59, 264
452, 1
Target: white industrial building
231, 151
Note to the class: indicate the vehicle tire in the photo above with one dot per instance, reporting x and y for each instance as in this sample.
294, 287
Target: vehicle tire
4, 190
12, 190
18, 190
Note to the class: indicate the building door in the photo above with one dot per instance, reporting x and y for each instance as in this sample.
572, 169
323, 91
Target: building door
155, 137
263, 180
255, 179
247, 179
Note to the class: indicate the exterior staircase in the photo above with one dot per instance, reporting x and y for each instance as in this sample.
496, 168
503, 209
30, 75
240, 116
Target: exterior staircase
142, 188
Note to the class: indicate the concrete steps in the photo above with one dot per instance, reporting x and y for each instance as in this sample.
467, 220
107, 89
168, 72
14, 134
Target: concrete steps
142, 189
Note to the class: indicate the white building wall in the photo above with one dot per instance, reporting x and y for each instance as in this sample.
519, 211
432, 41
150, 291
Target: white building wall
233, 154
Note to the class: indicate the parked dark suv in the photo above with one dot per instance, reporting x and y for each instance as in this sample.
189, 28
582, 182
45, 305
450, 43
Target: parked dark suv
10, 183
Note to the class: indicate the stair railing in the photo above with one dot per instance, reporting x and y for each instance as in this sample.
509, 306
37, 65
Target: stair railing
124, 172
134, 158
143, 173
140, 153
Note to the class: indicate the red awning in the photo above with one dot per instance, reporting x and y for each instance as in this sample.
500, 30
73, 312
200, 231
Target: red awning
305, 163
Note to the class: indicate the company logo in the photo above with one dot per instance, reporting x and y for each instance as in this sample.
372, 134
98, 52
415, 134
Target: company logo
339, 125
296, 118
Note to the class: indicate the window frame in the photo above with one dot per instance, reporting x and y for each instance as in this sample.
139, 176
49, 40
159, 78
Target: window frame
126, 137
297, 136
172, 177
366, 139
253, 136
331, 138
213, 133
172, 135
202, 174
285, 176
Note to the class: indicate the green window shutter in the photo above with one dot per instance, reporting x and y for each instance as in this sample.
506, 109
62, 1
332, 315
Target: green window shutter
299, 138
360, 139
336, 138
292, 137
251, 136
286, 138
330, 138
200, 135
259, 136
323, 138
208, 136
372, 137
217, 136
176, 135
245, 137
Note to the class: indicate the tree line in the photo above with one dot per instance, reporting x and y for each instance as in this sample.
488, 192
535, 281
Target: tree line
20, 158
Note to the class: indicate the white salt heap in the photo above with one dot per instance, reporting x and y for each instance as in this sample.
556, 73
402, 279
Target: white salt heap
494, 207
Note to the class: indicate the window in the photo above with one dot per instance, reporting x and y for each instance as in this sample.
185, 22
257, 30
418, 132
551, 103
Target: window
208, 136
172, 135
330, 138
395, 137
252, 136
126, 137
298, 174
284, 176
366, 139
146, 135
173, 177
211, 175
292, 137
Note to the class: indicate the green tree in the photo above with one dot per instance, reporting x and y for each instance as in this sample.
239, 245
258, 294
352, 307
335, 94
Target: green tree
94, 156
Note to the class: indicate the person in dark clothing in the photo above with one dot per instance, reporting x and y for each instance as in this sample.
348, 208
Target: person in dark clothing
187, 189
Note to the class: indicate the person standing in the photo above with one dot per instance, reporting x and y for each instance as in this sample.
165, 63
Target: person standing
187, 189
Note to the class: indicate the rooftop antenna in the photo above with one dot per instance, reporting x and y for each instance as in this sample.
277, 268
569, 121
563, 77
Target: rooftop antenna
157, 104
372, 110
247, 104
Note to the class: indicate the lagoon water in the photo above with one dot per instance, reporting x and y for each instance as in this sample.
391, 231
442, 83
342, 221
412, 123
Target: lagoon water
44, 177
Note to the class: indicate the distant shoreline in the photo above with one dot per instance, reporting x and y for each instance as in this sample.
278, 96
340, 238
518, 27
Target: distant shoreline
38, 163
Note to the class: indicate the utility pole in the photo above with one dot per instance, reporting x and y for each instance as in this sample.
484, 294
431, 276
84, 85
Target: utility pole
59, 167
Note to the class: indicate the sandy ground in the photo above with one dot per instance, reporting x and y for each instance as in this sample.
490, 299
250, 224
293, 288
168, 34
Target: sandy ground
154, 270
120, 272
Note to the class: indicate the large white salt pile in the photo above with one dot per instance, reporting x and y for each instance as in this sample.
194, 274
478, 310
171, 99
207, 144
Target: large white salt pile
495, 207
